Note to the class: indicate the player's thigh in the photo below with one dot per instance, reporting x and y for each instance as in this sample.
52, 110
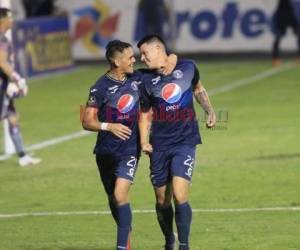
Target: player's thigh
126, 167
125, 172
295, 26
107, 167
160, 168
183, 162
112, 168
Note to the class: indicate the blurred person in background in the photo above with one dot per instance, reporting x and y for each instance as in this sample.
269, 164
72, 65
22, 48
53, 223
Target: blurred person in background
42, 8
287, 15
153, 17
12, 86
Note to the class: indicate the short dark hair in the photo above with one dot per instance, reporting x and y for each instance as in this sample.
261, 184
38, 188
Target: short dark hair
4, 12
115, 46
151, 38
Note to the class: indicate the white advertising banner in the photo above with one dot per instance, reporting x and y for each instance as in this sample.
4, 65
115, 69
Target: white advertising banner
228, 26
189, 25
95, 22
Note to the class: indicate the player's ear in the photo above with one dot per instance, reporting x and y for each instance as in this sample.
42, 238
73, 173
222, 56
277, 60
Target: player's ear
116, 62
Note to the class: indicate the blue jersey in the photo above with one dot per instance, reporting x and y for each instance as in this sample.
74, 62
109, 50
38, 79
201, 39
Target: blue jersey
117, 102
171, 99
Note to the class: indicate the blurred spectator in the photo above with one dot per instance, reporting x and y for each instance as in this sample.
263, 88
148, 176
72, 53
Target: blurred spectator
153, 17
39, 8
287, 15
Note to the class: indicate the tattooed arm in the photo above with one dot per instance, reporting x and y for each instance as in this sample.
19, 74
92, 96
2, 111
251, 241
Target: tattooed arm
203, 99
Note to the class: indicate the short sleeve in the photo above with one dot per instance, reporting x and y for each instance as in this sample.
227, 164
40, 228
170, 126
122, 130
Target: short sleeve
196, 77
3, 44
145, 100
95, 99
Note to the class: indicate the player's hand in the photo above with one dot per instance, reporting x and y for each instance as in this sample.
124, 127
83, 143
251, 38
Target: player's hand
13, 91
211, 120
147, 148
23, 86
172, 61
119, 130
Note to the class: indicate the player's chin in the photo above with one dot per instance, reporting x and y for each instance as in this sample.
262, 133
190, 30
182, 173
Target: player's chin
130, 70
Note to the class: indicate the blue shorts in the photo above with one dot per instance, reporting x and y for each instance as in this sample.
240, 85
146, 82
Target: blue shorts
176, 161
111, 167
7, 108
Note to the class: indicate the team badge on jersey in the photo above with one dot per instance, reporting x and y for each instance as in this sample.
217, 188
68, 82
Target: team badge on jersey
91, 101
134, 85
171, 93
177, 74
125, 103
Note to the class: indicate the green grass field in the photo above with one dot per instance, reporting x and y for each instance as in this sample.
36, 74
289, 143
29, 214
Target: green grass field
250, 161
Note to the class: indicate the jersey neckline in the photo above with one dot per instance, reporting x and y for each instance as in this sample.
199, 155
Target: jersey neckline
115, 80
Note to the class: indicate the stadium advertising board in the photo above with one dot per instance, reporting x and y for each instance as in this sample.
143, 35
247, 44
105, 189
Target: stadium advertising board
227, 26
42, 45
196, 26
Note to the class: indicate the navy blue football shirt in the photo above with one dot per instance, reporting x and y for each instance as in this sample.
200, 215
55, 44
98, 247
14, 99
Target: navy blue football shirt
118, 102
171, 99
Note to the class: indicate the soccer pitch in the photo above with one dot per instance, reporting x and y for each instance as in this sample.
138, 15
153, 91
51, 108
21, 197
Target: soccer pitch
250, 162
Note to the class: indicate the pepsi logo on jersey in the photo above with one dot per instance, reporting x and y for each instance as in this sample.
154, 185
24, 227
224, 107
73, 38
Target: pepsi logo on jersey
125, 103
171, 92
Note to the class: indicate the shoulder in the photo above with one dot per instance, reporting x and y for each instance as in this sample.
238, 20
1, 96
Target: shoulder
136, 75
147, 72
187, 62
100, 85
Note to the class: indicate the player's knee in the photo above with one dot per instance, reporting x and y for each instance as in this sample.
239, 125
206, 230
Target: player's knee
180, 197
120, 198
13, 120
163, 200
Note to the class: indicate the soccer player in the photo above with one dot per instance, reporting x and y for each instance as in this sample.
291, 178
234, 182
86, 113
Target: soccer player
9, 91
113, 110
174, 134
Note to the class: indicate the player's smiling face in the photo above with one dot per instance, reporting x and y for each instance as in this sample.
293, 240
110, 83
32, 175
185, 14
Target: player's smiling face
126, 61
150, 55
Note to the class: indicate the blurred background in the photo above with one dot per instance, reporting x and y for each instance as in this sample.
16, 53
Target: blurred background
190, 27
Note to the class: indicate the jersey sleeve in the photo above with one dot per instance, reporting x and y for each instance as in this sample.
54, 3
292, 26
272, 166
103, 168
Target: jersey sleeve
145, 100
96, 98
3, 44
196, 77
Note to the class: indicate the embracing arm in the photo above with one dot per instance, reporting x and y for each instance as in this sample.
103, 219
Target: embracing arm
144, 127
171, 64
202, 98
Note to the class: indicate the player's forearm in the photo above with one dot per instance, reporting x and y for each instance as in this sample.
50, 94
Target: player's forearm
93, 126
144, 125
202, 98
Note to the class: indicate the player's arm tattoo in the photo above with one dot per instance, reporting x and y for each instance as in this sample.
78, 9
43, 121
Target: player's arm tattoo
202, 98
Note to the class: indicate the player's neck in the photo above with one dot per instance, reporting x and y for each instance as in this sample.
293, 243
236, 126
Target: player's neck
163, 64
117, 75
